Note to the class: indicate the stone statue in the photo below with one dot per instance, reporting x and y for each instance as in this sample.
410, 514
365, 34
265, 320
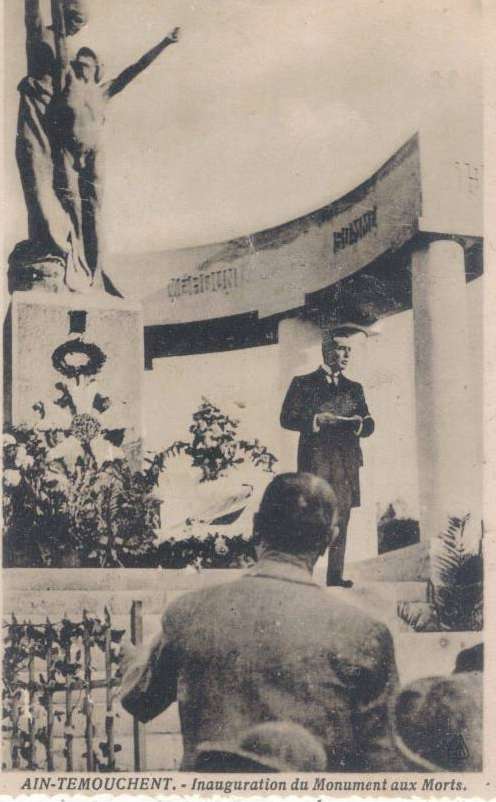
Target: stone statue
59, 151
41, 259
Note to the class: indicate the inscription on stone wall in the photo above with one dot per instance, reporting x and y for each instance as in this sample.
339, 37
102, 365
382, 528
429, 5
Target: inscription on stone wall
356, 230
222, 280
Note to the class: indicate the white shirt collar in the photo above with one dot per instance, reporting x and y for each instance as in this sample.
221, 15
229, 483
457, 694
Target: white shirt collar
330, 374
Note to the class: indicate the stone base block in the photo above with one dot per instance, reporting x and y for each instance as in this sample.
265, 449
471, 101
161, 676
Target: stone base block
92, 344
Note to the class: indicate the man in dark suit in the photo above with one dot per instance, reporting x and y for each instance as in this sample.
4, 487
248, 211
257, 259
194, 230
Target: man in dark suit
273, 646
331, 414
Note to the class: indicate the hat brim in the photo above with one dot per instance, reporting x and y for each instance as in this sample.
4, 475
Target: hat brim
219, 748
348, 330
421, 686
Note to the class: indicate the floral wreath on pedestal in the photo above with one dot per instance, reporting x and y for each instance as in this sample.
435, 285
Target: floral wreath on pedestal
76, 358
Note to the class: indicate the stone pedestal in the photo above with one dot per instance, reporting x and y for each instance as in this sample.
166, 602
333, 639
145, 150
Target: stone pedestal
42, 330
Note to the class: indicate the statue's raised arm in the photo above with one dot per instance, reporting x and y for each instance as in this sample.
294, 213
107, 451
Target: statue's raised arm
130, 73
60, 35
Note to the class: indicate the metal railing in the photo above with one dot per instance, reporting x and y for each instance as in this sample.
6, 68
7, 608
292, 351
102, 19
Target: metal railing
44, 661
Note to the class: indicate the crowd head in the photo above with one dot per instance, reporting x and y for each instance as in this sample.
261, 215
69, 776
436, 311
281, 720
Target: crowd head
273, 746
297, 515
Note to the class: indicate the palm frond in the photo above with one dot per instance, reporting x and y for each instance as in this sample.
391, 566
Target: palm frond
449, 552
456, 575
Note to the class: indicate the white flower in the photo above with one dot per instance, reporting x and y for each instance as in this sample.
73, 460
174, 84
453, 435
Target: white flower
229, 450
82, 396
11, 477
69, 450
23, 459
104, 451
9, 440
221, 546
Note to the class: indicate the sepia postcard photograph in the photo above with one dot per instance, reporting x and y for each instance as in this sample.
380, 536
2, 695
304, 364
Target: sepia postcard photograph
245, 482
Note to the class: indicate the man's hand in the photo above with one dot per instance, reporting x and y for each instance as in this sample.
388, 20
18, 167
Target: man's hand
326, 419
173, 36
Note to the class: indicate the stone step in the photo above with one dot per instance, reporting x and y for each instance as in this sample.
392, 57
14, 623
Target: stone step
153, 581
410, 564
380, 599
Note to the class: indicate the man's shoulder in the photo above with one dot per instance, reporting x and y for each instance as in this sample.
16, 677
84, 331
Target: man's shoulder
325, 604
312, 618
235, 594
309, 378
317, 375
358, 622
350, 383
343, 616
356, 636
202, 599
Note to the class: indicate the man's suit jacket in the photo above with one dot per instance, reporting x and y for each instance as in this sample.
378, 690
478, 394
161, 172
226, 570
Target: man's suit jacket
271, 646
334, 452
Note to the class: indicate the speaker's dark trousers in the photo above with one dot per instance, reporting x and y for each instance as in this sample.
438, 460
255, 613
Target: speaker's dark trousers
337, 551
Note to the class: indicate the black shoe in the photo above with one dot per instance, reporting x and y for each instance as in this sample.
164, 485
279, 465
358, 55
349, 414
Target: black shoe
341, 583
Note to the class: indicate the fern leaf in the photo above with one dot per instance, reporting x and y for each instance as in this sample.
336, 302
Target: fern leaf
449, 552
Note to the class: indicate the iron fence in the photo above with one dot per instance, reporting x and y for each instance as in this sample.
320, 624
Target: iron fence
51, 675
